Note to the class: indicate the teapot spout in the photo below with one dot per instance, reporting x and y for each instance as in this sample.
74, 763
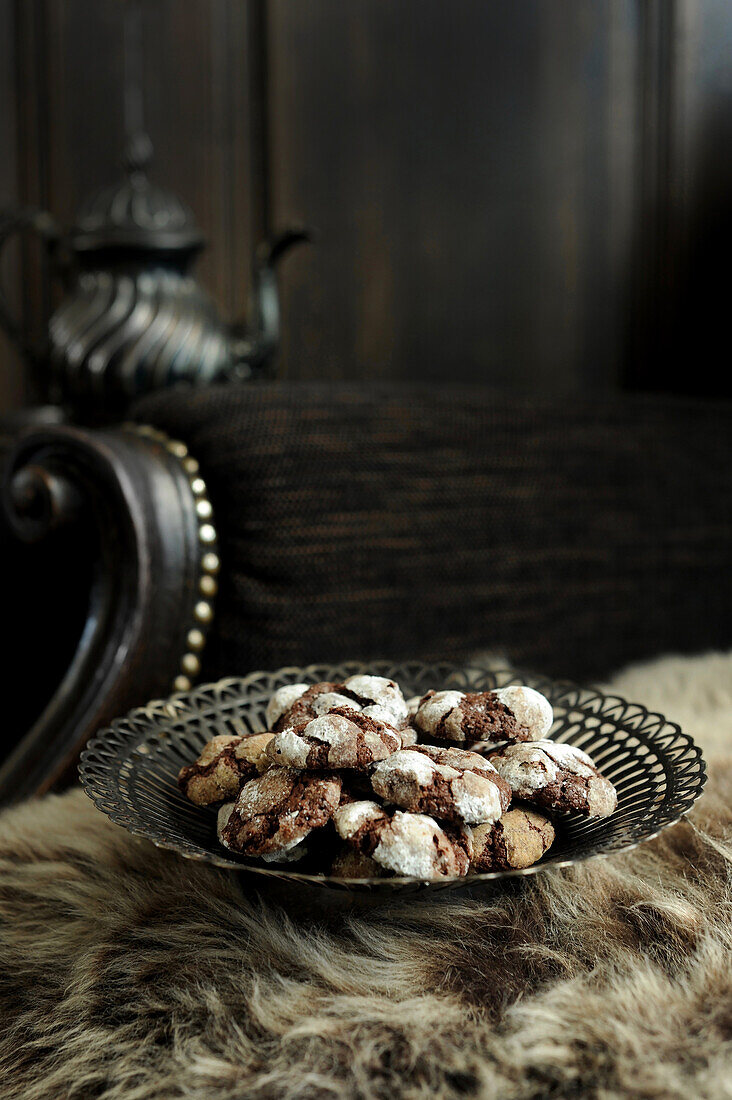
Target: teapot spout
253, 351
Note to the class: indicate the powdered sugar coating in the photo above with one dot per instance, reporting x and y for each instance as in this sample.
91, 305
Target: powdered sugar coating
226, 763
330, 700
291, 748
407, 844
477, 800
530, 708
282, 700
532, 765
483, 715
344, 738
380, 714
374, 696
407, 847
431, 712
277, 810
351, 817
569, 756
448, 783
289, 852
381, 692
404, 769
526, 771
556, 777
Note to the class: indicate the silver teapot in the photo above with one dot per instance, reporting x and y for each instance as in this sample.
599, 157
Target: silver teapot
133, 317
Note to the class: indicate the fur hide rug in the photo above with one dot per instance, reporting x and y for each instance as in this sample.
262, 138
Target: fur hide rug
130, 974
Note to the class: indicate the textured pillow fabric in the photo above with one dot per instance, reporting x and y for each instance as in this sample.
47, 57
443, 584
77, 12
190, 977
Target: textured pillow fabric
393, 521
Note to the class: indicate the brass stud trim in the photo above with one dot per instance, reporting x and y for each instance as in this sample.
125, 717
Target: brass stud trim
203, 612
209, 562
190, 664
207, 586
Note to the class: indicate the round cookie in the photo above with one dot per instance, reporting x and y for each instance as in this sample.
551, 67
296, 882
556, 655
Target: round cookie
519, 839
408, 844
343, 738
374, 696
556, 777
276, 811
225, 764
446, 783
514, 713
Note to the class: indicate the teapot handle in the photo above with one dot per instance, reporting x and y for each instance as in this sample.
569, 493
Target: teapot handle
12, 223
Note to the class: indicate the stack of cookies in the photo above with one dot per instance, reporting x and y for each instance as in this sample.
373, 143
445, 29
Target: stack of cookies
353, 780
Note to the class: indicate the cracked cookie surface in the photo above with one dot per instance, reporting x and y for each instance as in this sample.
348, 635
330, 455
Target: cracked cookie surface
225, 764
513, 713
405, 843
343, 738
276, 811
556, 777
449, 784
519, 839
374, 696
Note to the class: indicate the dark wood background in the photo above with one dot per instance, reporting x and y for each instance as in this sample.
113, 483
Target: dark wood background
532, 194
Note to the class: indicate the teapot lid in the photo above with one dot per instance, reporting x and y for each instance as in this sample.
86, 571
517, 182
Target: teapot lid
135, 213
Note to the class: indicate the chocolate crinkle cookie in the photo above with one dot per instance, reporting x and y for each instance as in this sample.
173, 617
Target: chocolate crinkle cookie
375, 696
225, 764
519, 839
276, 811
514, 713
405, 843
556, 777
447, 783
343, 738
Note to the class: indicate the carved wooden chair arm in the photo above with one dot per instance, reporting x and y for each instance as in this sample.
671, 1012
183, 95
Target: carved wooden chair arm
139, 498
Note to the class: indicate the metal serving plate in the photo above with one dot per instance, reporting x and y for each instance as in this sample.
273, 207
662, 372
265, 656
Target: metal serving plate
130, 769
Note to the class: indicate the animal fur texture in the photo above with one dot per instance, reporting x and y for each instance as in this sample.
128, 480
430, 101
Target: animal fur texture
130, 973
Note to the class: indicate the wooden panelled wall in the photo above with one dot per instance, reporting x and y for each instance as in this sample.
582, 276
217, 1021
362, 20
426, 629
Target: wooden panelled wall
531, 194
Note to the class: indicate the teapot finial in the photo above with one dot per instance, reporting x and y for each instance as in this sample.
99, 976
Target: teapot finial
138, 154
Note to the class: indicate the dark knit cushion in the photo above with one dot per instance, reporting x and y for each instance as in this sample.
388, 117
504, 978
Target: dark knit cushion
393, 521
